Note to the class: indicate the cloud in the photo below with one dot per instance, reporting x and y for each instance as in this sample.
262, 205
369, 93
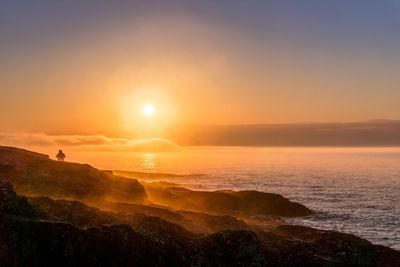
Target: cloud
86, 142
369, 133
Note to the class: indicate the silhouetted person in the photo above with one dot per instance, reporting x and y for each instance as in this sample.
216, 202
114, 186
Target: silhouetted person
60, 156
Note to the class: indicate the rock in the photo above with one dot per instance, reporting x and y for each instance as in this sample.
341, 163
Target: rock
157, 211
73, 212
233, 248
7, 194
83, 216
60, 244
117, 245
242, 203
10, 203
41, 231
305, 246
35, 174
196, 222
214, 223
87, 236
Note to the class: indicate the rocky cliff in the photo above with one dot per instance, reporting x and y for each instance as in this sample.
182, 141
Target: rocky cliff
70, 233
35, 174
105, 220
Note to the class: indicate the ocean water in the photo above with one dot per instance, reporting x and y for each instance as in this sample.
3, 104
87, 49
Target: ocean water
352, 190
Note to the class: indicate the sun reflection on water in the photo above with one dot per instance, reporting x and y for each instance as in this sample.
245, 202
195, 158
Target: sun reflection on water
149, 162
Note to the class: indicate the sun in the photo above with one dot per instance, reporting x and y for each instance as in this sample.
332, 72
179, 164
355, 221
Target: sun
148, 110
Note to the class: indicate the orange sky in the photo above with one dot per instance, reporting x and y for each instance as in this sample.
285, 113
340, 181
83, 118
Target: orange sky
92, 73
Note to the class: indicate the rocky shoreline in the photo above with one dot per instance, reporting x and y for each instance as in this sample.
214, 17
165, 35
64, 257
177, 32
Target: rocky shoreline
67, 214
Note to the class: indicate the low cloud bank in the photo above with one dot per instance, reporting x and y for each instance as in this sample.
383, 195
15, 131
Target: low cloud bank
86, 142
369, 133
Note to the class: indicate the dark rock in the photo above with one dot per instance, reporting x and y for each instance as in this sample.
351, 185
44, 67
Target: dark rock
196, 222
59, 244
73, 212
7, 193
11, 203
329, 248
157, 211
119, 245
214, 223
233, 248
83, 216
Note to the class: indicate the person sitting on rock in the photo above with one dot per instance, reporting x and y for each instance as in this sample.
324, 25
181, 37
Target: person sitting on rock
60, 156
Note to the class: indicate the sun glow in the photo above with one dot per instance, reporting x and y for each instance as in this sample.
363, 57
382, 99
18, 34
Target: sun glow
148, 110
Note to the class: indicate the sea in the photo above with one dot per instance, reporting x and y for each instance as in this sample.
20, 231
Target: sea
351, 190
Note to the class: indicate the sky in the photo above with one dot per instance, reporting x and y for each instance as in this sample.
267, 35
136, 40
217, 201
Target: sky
88, 67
